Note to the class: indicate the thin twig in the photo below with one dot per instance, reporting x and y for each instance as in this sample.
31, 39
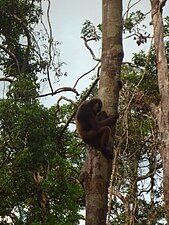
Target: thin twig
63, 89
85, 74
129, 7
50, 45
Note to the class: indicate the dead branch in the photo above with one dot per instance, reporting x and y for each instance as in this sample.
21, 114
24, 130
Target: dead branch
90, 49
50, 41
85, 74
150, 174
63, 89
66, 99
6, 79
50, 45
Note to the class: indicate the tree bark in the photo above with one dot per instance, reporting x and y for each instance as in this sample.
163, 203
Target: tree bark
112, 55
162, 111
96, 171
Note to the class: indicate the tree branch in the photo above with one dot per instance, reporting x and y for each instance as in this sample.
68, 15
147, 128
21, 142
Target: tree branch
85, 74
6, 79
28, 36
12, 55
89, 48
63, 89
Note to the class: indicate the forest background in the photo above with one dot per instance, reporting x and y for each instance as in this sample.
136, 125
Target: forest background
41, 156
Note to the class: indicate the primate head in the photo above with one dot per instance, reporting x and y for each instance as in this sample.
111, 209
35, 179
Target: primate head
96, 105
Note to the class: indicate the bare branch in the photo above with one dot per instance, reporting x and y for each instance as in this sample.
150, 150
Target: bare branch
50, 45
6, 79
66, 99
85, 74
89, 48
50, 40
63, 89
150, 173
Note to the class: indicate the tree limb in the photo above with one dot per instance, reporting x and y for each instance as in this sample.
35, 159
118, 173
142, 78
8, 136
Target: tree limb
85, 74
89, 48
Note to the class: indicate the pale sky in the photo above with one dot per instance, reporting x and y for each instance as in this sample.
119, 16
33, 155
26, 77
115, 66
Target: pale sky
67, 18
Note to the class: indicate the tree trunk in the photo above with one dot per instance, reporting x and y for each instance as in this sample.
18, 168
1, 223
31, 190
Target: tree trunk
112, 55
96, 171
162, 111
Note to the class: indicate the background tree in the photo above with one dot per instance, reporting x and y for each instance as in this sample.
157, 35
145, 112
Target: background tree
162, 111
140, 195
38, 167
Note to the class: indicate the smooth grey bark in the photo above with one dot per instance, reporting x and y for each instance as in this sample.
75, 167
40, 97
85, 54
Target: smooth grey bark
162, 111
96, 171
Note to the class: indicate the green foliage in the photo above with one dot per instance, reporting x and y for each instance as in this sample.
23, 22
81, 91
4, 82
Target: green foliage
15, 15
39, 164
147, 73
89, 31
20, 49
137, 188
17, 18
30, 143
134, 19
24, 87
166, 26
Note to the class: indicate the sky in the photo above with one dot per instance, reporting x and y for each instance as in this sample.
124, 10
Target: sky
67, 18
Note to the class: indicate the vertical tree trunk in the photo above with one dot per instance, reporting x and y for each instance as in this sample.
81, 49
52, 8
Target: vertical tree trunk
162, 111
96, 171
112, 54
